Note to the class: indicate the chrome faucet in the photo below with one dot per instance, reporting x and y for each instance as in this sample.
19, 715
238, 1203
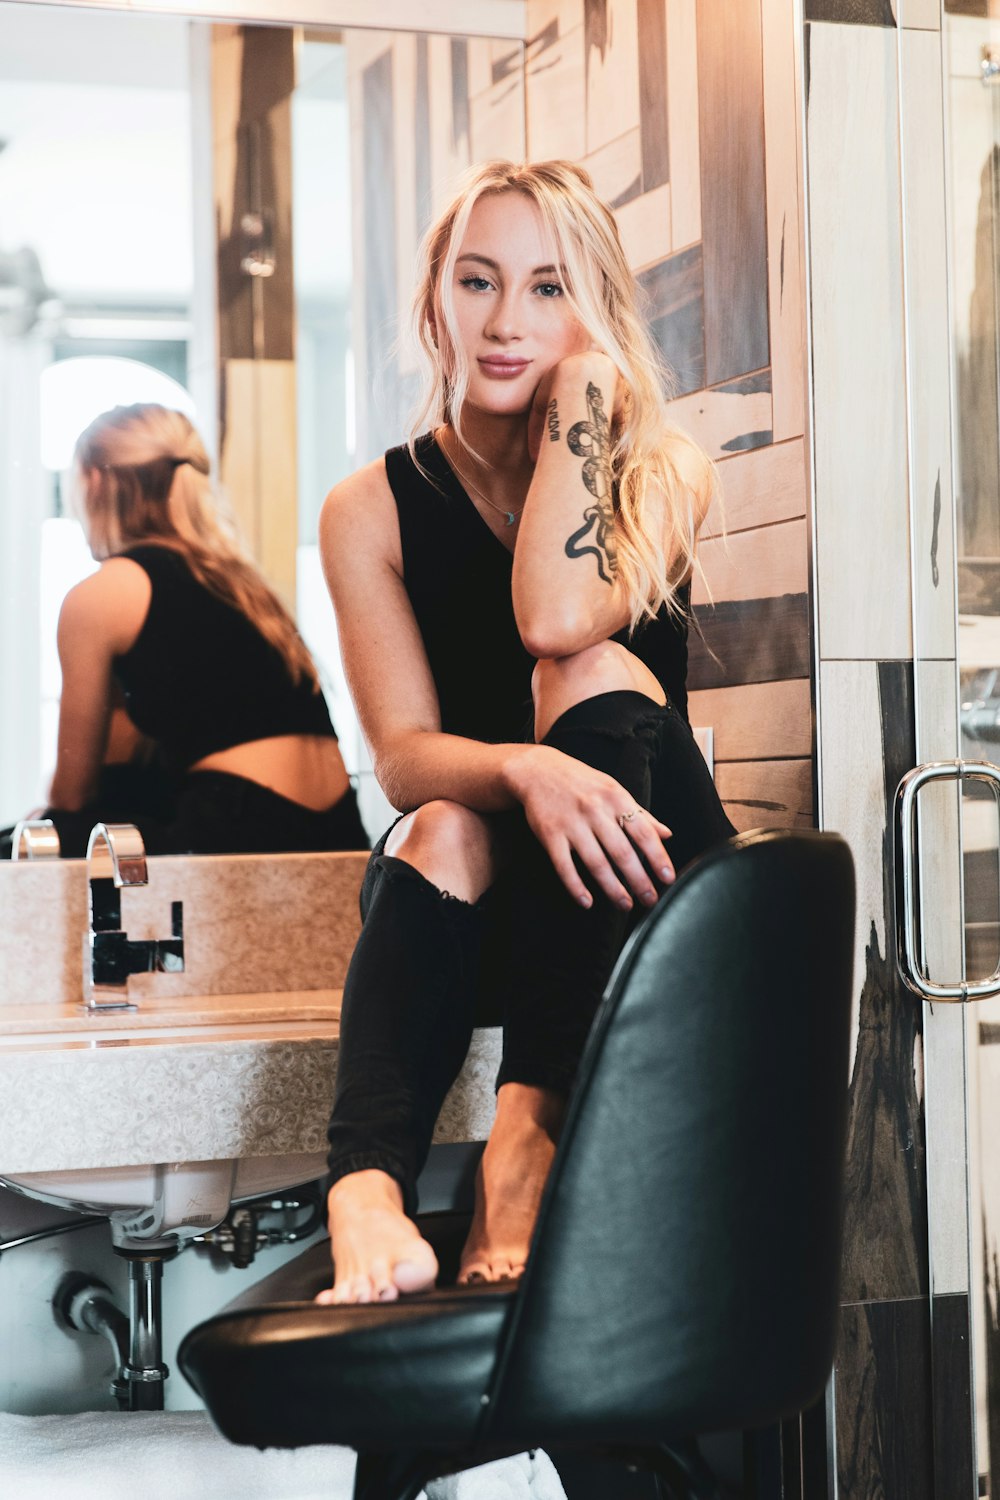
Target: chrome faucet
116, 857
34, 838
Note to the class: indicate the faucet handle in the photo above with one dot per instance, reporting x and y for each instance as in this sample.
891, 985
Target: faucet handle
115, 851
35, 838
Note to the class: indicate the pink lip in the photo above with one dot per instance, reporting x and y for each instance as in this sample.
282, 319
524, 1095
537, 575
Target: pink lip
499, 368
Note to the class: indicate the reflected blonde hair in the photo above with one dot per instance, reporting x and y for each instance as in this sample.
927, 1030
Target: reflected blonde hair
143, 476
659, 509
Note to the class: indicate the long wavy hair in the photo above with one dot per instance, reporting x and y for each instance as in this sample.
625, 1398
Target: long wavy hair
142, 475
658, 510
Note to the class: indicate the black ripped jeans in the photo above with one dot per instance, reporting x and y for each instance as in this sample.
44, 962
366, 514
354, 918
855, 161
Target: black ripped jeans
428, 967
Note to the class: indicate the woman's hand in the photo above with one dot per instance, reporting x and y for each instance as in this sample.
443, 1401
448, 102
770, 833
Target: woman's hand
580, 814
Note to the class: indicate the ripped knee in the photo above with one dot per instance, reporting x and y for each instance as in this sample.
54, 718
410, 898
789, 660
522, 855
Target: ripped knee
452, 846
559, 683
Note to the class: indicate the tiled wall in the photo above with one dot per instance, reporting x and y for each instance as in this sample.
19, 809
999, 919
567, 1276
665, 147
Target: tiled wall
684, 112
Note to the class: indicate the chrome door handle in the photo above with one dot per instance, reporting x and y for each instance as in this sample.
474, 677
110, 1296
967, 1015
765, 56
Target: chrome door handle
908, 957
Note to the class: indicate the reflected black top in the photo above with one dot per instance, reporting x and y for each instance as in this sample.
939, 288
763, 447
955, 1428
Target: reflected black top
201, 677
458, 576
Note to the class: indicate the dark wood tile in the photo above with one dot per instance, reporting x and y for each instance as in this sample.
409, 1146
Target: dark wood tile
653, 123
750, 640
883, 1403
734, 228
257, 314
885, 1219
676, 301
954, 1438
853, 12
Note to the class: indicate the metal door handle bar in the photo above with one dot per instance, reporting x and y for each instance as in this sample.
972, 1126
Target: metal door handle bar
908, 948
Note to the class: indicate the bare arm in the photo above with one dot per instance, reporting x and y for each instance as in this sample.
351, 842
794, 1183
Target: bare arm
393, 691
566, 588
100, 618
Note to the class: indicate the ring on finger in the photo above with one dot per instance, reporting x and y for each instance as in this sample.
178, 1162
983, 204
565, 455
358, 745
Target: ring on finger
626, 818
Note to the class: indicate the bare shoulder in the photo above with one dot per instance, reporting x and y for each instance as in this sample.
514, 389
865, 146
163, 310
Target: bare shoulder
109, 606
361, 512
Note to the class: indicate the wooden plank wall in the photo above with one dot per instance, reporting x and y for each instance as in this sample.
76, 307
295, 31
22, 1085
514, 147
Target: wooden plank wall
422, 109
685, 114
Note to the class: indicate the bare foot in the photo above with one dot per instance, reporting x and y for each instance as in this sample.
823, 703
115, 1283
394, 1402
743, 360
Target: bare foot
509, 1182
377, 1251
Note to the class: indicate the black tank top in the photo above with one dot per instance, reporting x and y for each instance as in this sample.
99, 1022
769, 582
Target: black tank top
201, 677
458, 577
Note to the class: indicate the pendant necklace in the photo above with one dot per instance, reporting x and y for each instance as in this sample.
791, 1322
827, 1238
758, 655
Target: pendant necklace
510, 516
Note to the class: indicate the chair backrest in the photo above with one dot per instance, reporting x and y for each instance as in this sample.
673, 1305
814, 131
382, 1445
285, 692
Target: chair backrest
683, 1275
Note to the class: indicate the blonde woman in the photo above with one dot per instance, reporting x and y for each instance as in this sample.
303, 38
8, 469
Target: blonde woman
511, 590
177, 647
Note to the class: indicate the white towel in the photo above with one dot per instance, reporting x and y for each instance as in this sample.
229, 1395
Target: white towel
180, 1456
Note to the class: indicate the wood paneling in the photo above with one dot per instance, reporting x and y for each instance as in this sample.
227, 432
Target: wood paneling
676, 309
882, 1397
554, 84
766, 794
682, 114
868, 743
252, 80
862, 519
616, 169
754, 564
497, 115
760, 487
924, 14
611, 47
653, 115
786, 300
750, 640
928, 342
853, 12
644, 226
734, 230
728, 419
757, 721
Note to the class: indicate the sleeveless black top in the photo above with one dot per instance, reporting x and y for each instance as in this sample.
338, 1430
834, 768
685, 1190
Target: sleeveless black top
458, 577
200, 676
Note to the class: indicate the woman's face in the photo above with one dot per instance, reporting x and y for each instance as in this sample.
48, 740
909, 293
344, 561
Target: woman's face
512, 317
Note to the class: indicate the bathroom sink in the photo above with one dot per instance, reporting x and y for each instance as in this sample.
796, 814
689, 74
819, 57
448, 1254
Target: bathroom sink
163, 1117
158, 1205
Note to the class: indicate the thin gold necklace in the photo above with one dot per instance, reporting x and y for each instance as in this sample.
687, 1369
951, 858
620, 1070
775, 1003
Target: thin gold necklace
510, 516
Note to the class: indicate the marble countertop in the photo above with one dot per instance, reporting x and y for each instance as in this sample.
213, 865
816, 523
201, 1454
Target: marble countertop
200, 1079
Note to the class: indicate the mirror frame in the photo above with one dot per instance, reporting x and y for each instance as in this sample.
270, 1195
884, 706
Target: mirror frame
490, 18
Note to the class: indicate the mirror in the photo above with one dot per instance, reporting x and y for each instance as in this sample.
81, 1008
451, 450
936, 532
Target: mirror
234, 211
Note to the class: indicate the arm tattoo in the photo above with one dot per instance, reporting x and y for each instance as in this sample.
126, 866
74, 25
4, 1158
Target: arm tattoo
591, 442
552, 420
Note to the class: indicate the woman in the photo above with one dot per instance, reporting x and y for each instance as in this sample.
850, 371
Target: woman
511, 591
176, 647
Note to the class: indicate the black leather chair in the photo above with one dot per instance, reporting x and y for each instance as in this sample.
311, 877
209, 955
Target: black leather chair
683, 1273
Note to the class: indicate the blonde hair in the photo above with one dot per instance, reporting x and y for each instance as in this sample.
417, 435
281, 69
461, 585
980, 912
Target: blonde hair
143, 476
658, 509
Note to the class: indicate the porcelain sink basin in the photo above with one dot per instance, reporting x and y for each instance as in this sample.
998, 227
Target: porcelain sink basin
157, 1205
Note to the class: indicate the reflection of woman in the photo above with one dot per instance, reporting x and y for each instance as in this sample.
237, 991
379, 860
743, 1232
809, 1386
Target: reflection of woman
486, 579
176, 644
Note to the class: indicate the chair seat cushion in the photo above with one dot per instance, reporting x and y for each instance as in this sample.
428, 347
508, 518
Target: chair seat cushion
278, 1370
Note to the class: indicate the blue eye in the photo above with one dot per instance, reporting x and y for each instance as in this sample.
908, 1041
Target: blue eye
549, 289
475, 283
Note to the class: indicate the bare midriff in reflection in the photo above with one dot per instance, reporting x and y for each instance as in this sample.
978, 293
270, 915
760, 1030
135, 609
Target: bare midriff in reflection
190, 704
